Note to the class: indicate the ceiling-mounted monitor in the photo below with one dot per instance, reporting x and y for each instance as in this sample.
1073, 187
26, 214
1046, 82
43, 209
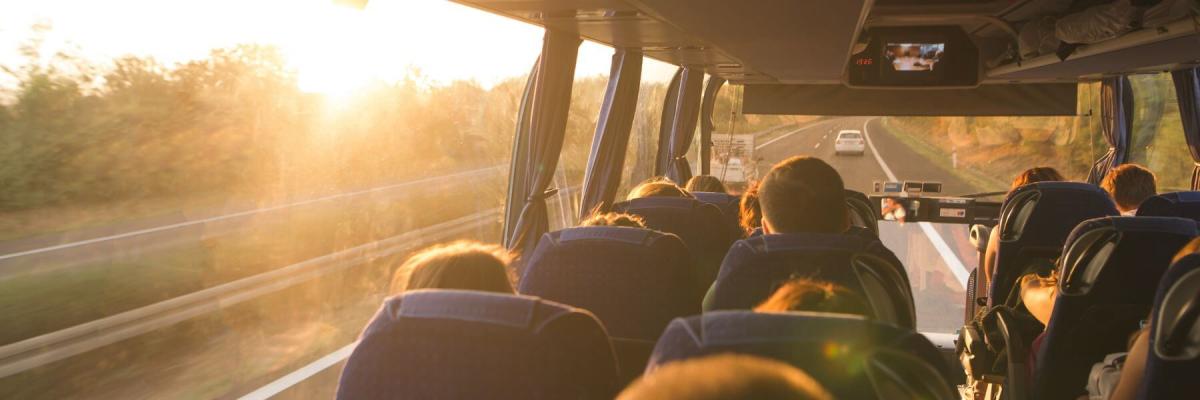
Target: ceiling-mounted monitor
915, 57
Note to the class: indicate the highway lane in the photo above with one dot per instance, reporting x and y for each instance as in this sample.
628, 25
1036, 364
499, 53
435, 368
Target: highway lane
937, 256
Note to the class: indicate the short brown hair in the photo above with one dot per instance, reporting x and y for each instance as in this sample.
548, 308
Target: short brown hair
726, 377
657, 187
1034, 175
802, 294
1130, 185
614, 219
803, 194
749, 212
705, 183
465, 265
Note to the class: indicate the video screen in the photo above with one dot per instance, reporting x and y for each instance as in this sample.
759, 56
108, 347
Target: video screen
918, 57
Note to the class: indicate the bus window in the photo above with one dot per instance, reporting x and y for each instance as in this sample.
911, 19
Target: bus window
1158, 141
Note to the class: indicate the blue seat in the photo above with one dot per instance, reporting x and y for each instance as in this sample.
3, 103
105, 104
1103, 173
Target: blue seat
635, 280
1176, 204
451, 344
1034, 223
839, 351
1110, 269
729, 204
1173, 362
756, 266
701, 226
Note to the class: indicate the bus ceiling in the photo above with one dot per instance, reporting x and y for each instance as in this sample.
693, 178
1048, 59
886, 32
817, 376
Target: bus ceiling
815, 42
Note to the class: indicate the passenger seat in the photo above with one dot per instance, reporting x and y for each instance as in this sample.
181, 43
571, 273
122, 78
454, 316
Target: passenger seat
453, 344
1176, 204
757, 265
729, 204
852, 357
1173, 360
701, 226
1109, 272
1034, 223
635, 280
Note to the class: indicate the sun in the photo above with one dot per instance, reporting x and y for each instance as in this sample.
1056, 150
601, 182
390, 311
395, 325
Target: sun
332, 48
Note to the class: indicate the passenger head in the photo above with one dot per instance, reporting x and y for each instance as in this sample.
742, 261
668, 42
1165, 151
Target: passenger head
802, 294
614, 219
1129, 185
726, 377
1035, 175
464, 265
749, 213
657, 187
803, 194
705, 183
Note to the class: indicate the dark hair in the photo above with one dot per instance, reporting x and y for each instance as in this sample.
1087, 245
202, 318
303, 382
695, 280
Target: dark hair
803, 194
802, 294
726, 377
657, 187
464, 265
1035, 175
614, 219
705, 183
749, 212
1130, 185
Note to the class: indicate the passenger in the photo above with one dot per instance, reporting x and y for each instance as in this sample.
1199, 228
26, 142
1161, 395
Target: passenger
657, 187
614, 219
1130, 185
726, 377
705, 183
464, 265
750, 214
803, 195
1032, 175
893, 210
803, 294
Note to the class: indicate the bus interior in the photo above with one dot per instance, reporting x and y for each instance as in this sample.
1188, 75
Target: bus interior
926, 109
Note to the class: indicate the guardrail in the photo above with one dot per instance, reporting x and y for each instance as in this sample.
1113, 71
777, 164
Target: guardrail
41, 350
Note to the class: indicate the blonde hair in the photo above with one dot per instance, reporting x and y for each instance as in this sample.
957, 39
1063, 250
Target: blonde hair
705, 183
614, 219
726, 376
803, 294
465, 265
657, 187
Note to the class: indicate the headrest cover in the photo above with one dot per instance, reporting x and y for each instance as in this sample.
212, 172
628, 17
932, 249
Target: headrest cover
622, 234
464, 305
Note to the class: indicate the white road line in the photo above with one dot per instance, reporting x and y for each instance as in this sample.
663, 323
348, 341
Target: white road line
939, 243
238, 214
784, 136
300, 375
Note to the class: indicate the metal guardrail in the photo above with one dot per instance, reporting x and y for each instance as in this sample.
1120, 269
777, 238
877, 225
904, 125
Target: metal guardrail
50, 347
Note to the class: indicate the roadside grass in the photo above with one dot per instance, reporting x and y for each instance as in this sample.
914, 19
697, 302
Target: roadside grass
977, 179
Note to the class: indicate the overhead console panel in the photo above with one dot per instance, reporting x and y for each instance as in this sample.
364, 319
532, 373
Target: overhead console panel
1034, 99
915, 57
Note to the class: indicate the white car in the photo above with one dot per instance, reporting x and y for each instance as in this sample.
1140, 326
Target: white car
850, 142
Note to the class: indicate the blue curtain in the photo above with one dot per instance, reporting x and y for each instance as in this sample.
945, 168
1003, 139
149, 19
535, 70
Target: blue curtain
1116, 121
707, 104
1187, 90
538, 140
681, 127
609, 144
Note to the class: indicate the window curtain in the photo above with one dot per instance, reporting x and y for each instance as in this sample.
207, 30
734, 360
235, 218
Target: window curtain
609, 144
1116, 121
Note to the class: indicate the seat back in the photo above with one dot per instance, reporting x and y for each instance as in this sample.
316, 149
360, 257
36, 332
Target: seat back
729, 204
1177, 204
756, 266
701, 226
848, 355
1034, 223
451, 344
1173, 359
862, 214
1109, 272
635, 280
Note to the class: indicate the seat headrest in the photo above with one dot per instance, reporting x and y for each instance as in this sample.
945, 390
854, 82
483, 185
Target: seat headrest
1095, 244
658, 202
739, 327
1176, 204
635, 236
515, 311
788, 242
716, 197
1176, 312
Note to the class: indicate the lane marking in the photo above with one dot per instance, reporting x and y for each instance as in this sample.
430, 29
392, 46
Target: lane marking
139, 232
939, 243
786, 135
300, 375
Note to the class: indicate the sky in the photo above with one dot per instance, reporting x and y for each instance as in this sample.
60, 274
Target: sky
333, 48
